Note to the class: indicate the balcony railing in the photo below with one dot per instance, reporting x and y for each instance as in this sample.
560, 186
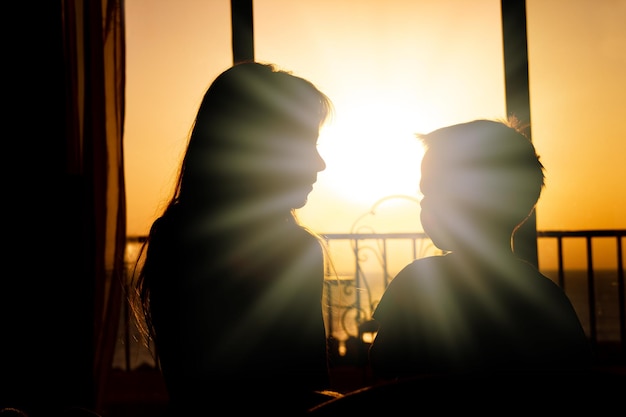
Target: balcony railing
587, 264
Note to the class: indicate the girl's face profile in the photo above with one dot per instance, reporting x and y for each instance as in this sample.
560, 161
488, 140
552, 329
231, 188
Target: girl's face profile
290, 167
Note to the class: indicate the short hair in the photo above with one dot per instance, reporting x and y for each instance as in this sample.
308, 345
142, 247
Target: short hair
488, 167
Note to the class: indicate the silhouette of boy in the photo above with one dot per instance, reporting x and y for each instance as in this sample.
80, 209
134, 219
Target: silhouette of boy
479, 307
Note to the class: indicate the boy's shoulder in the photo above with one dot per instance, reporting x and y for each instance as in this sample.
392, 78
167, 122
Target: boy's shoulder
417, 279
452, 277
416, 291
423, 269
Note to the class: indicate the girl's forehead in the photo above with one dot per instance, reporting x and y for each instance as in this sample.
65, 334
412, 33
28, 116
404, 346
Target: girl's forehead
298, 133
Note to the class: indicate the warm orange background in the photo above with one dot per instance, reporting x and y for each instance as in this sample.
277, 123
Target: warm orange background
392, 68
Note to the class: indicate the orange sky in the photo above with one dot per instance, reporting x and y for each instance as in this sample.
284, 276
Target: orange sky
393, 68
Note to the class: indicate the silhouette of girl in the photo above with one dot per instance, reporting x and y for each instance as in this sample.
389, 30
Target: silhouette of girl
231, 284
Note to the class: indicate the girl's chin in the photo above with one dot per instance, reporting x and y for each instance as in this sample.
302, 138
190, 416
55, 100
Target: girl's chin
298, 204
294, 200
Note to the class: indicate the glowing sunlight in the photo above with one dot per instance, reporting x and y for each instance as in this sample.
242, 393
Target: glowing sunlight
370, 155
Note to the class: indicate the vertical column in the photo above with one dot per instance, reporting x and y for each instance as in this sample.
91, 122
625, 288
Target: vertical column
242, 30
518, 102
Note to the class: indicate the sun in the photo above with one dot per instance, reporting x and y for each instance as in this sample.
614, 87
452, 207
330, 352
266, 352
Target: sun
367, 161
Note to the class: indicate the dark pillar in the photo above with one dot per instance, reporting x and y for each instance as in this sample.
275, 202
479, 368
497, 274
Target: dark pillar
518, 101
243, 30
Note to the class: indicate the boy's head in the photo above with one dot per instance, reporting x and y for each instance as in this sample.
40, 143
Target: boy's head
485, 172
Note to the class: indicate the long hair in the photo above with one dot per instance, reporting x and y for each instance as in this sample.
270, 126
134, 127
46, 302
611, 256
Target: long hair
245, 116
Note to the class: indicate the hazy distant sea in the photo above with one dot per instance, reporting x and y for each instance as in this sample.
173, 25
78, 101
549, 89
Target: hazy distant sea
606, 296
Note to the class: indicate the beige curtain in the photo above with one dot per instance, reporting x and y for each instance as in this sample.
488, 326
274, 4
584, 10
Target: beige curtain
94, 47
